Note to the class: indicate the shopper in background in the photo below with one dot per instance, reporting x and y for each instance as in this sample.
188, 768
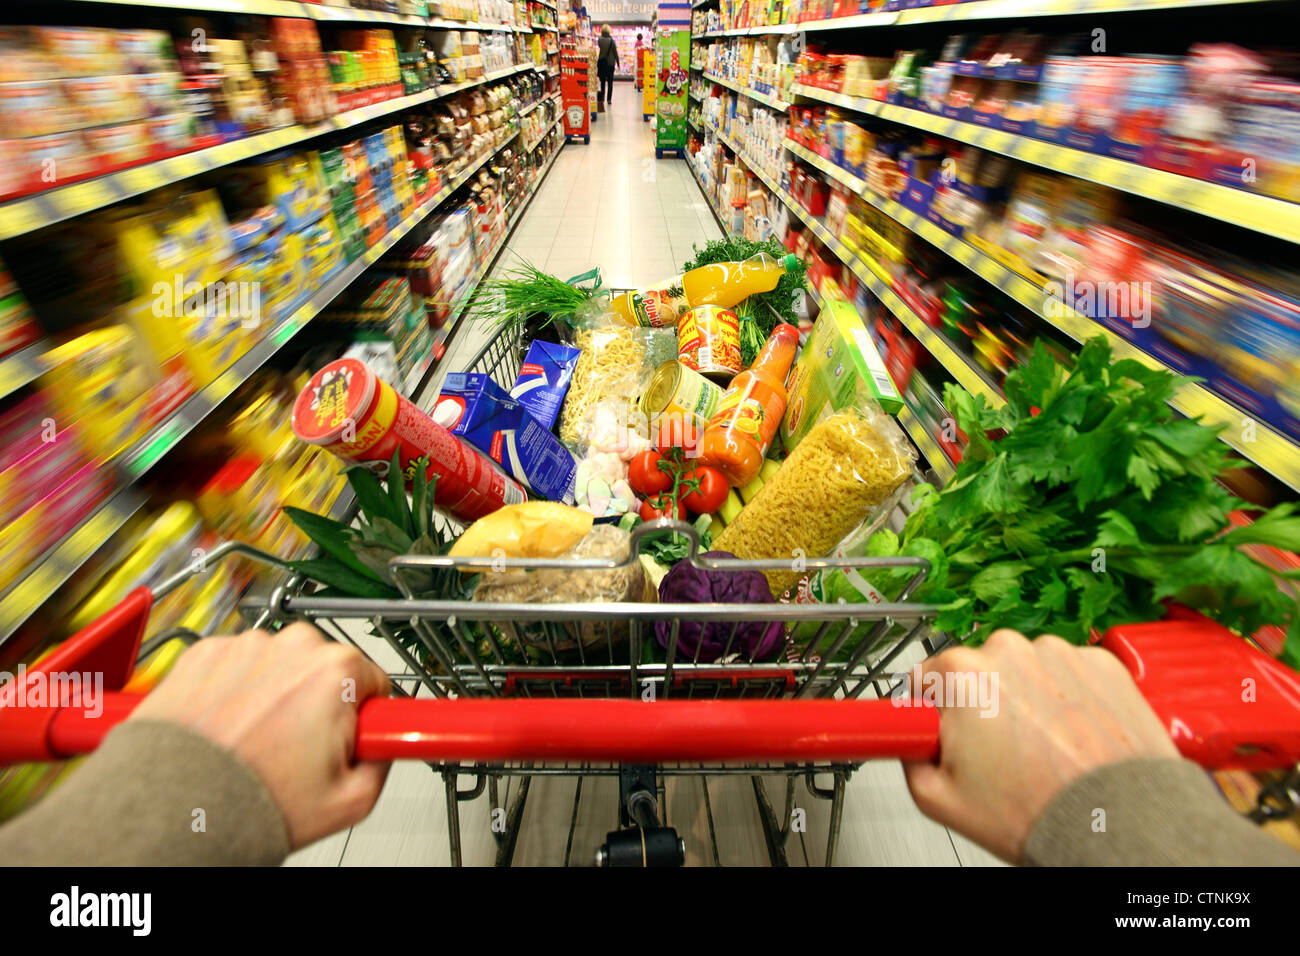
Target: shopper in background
606, 64
244, 753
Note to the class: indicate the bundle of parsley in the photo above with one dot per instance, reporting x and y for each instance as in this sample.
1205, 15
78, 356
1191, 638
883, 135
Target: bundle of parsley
1084, 502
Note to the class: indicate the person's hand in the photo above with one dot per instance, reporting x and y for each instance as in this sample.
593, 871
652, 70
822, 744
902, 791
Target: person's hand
286, 705
1061, 711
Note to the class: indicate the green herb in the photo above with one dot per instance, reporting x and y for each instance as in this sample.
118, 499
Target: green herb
1095, 504
667, 549
781, 300
525, 291
751, 336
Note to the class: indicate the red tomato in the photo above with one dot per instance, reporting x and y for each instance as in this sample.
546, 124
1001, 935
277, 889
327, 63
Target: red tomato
661, 506
712, 492
677, 434
645, 476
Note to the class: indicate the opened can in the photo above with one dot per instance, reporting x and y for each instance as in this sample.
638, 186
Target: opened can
350, 411
708, 341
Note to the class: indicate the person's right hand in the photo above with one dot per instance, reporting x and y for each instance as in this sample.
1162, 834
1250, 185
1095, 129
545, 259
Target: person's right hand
1062, 711
286, 705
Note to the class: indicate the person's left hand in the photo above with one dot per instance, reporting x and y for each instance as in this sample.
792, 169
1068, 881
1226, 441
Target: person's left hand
286, 705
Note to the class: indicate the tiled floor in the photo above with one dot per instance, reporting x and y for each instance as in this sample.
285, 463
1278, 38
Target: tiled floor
611, 204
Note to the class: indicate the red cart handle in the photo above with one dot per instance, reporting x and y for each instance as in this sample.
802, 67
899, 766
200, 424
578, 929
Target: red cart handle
1225, 704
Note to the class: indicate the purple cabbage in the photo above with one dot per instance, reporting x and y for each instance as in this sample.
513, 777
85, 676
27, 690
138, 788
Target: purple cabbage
685, 584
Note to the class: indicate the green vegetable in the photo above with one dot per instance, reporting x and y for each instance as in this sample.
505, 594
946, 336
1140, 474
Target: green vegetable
751, 336
1089, 512
781, 299
354, 559
668, 549
524, 291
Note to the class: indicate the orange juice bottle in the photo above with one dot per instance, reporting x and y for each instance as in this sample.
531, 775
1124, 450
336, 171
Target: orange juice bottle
723, 284
741, 430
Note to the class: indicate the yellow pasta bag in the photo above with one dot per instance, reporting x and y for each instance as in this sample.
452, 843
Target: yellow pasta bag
847, 465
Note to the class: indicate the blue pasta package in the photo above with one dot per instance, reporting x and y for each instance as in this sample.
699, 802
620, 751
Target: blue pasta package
477, 409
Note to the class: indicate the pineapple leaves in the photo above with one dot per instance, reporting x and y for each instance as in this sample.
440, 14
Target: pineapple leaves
374, 502
401, 513
335, 539
342, 579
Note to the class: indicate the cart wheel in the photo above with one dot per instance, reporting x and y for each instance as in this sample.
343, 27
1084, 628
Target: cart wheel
587, 140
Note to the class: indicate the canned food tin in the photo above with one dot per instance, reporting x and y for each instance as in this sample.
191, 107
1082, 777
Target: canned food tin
682, 394
353, 413
708, 341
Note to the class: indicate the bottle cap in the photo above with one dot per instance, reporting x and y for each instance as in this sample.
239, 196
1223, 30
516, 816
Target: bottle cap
790, 261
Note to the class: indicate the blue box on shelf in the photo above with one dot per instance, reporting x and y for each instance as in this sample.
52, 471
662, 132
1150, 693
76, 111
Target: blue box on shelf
1018, 127
1122, 149
989, 120
959, 113
917, 195
1090, 141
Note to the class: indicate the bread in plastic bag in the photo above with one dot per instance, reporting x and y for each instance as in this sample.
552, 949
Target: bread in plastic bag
579, 586
849, 464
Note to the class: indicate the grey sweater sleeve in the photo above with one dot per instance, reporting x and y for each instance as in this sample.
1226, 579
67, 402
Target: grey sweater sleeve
1149, 812
155, 794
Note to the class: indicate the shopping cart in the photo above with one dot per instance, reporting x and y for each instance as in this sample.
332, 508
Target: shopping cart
589, 701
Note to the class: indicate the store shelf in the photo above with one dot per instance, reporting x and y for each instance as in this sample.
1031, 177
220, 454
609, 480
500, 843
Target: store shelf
542, 135
416, 384
29, 213
956, 364
923, 440
977, 10
53, 569
23, 367
314, 11
1259, 213
763, 98
1271, 450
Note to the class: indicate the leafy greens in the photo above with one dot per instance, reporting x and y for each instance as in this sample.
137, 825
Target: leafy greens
1084, 502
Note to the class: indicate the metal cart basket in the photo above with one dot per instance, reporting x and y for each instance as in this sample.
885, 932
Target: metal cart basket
460, 650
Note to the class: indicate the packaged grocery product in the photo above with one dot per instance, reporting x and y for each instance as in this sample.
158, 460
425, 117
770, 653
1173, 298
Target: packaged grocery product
349, 411
17, 324
847, 465
708, 341
680, 394
839, 366
99, 382
533, 529
749, 414
544, 380
579, 586
610, 366
161, 548
480, 411
720, 283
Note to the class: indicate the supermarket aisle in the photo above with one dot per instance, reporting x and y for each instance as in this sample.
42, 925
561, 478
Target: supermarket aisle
612, 204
